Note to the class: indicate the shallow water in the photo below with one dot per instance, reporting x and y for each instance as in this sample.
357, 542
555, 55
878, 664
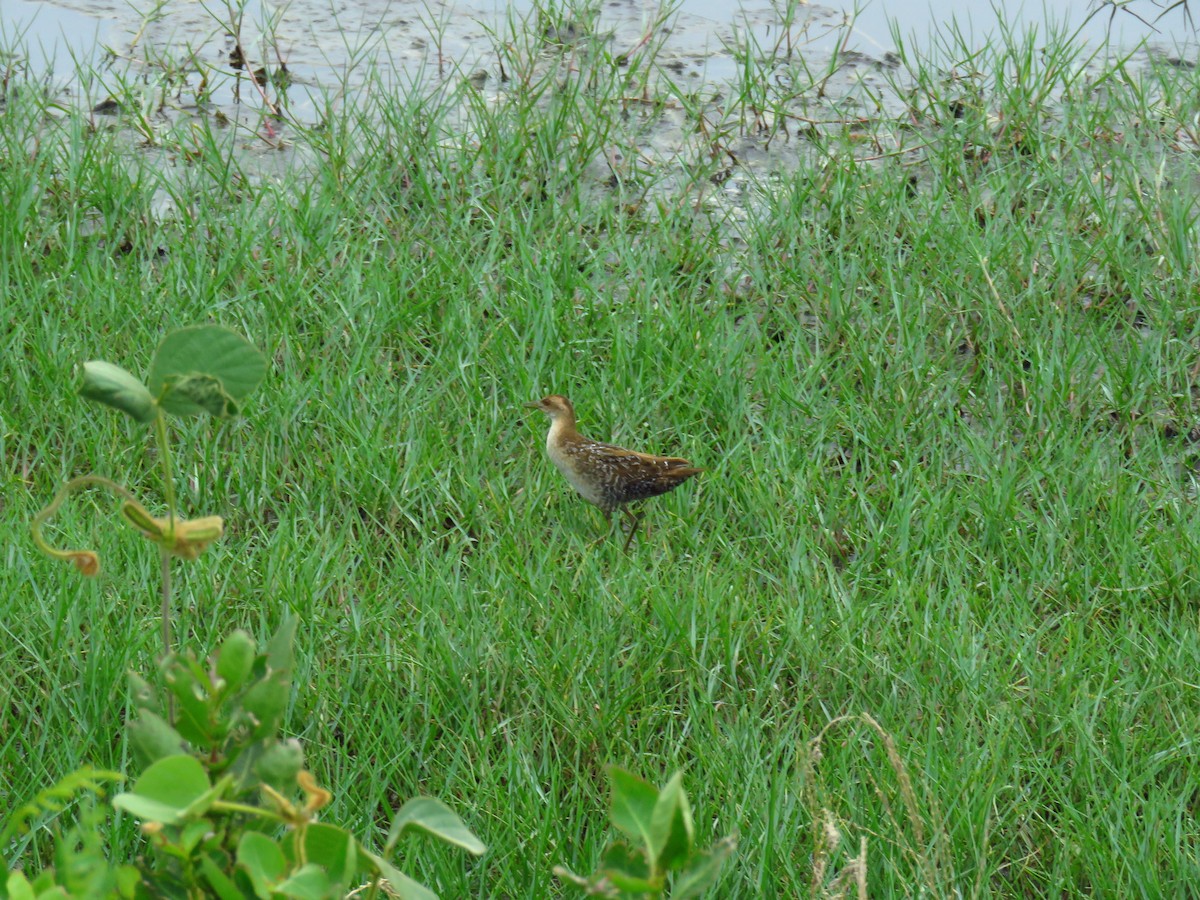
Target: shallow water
316, 35
328, 45
182, 61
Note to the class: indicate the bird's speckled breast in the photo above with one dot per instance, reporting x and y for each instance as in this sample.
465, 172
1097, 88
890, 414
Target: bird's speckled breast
588, 488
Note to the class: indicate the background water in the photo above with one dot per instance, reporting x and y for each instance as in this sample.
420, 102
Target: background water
54, 31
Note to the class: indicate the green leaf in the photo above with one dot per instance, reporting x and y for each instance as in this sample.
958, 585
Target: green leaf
263, 861
113, 386
435, 818
631, 884
235, 660
402, 886
18, 887
221, 884
153, 738
181, 392
141, 694
627, 869
266, 700
193, 832
279, 764
671, 828
703, 870
333, 849
204, 368
45, 888
169, 791
279, 648
306, 883
190, 685
633, 801
128, 879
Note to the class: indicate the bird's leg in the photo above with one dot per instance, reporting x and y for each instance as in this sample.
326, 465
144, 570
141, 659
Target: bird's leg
607, 531
635, 519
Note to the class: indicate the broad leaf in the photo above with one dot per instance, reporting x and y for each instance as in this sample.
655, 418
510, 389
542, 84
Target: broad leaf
279, 764
266, 700
115, 387
235, 659
633, 801
306, 883
401, 885
18, 888
190, 685
263, 861
198, 389
279, 647
435, 818
204, 368
193, 832
631, 884
671, 828
627, 869
702, 873
153, 738
224, 887
168, 791
331, 848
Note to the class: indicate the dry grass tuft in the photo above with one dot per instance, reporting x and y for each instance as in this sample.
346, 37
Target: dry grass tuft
912, 819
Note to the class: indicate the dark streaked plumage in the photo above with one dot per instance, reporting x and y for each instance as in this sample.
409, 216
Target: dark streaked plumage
603, 474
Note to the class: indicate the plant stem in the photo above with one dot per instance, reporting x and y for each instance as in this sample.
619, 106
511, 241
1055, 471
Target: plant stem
166, 601
164, 458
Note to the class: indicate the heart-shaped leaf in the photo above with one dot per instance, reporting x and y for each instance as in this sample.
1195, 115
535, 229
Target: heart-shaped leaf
204, 368
115, 387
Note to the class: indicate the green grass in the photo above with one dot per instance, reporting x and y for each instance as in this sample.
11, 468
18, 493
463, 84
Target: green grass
940, 369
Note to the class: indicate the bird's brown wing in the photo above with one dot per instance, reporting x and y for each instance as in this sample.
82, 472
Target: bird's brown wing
629, 475
632, 459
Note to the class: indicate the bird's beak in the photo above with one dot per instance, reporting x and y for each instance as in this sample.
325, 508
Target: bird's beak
533, 404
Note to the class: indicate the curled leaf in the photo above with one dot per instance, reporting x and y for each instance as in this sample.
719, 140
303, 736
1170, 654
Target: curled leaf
315, 796
195, 392
86, 561
113, 386
185, 538
193, 537
137, 516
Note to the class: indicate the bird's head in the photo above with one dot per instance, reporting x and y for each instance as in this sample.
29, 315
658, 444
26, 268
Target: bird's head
556, 406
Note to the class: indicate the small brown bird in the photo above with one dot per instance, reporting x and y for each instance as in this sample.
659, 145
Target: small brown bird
607, 476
